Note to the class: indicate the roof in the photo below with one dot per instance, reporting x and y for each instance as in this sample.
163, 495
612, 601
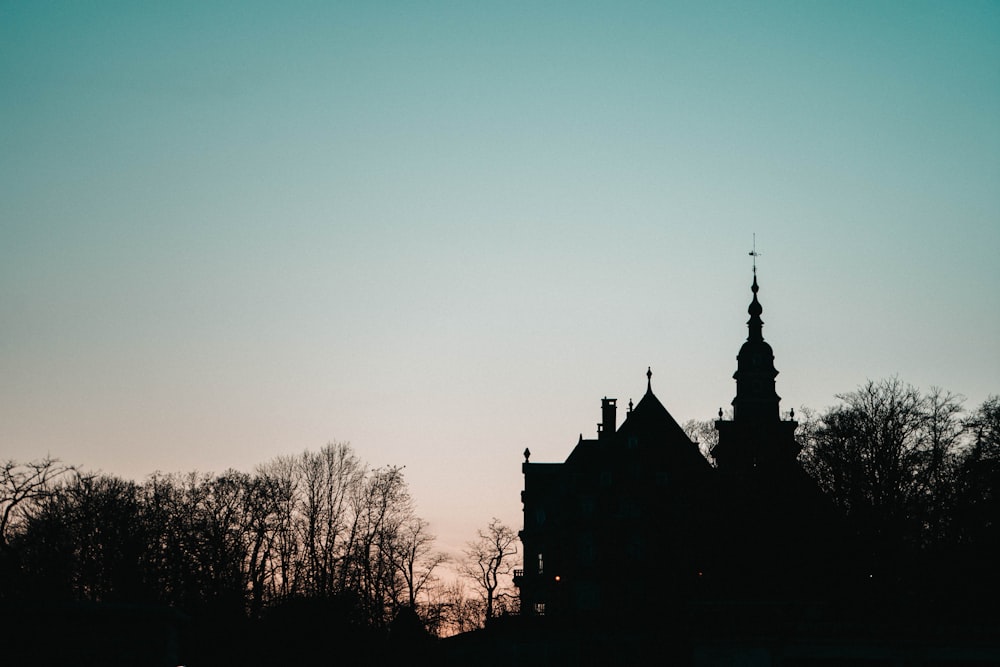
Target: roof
649, 423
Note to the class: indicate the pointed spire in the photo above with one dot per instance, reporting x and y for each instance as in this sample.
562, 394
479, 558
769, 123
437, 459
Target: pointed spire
649, 380
755, 372
755, 324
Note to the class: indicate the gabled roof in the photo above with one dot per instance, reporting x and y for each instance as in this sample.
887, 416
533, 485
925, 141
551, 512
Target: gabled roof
654, 426
651, 417
650, 426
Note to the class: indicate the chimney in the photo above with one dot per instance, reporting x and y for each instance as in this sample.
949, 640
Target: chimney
607, 427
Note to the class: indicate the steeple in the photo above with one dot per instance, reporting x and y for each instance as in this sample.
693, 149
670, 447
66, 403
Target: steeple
756, 435
755, 324
756, 398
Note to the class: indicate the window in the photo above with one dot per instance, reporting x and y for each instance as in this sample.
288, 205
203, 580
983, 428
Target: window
540, 609
541, 563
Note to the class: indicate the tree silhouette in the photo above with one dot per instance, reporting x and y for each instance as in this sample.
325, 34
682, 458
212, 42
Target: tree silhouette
22, 484
415, 558
917, 480
488, 563
888, 456
319, 526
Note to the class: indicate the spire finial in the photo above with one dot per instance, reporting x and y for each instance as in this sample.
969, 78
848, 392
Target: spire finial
649, 379
755, 255
630, 405
755, 309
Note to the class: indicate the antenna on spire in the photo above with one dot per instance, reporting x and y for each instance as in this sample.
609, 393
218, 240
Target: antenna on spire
754, 254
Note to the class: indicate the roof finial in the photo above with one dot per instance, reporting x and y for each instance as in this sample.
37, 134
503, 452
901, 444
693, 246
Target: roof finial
649, 379
755, 309
755, 255
630, 405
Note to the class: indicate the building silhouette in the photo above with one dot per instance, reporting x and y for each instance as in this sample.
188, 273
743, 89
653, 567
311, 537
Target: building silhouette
637, 521
639, 551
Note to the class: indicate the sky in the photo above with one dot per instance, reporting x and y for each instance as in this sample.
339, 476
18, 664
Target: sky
443, 231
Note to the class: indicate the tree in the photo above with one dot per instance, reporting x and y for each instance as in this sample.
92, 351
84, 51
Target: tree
384, 507
22, 484
415, 558
451, 611
890, 457
704, 434
984, 427
327, 481
268, 497
85, 542
281, 557
886, 454
978, 489
488, 563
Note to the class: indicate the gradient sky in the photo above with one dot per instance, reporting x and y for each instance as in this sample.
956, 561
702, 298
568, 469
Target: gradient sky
443, 231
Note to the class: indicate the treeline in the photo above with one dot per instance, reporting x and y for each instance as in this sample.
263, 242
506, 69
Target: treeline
918, 479
321, 528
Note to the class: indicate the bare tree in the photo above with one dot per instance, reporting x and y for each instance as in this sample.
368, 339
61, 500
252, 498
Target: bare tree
22, 484
327, 480
281, 560
451, 611
704, 434
888, 456
265, 497
488, 563
379, 506
983, 426
978, 501
85, 541
415, 558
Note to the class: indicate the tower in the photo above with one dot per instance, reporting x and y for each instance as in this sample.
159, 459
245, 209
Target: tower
756, 436
773, 521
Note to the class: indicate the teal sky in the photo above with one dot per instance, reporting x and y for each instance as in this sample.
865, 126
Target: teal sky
443, 231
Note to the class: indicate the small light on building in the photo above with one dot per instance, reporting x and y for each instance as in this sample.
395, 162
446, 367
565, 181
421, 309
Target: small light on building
558, 578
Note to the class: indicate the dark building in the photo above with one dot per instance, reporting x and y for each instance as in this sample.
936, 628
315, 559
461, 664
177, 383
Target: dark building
638, 551
638, 520
617, 526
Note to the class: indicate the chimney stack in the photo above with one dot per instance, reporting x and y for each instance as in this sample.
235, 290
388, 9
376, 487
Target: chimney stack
608, 426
